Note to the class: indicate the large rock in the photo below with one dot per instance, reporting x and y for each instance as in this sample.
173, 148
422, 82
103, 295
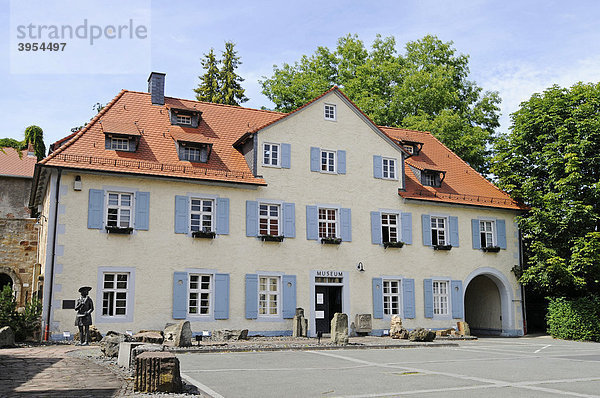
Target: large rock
144, 348
110, 343
7, 337
178, 334
363, 323
421, 334
228, 334
463, 328
299, 324
397, 331
339, 329
95, 335
157, 372
150, 337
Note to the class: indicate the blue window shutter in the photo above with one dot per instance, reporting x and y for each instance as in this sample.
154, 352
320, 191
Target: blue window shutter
221, 296
312, 222
222, 216
475, 234
180, 282
289, 296
501, 230
315, 155
457, 299
346, 224
142, 210
251, 218
408, 297
341, 162
286, 156
289, 220
251, 296
377, 167
182, 217
406, 221
426, 224
377, 298
96, 209
376, 238
453, 221
428, 296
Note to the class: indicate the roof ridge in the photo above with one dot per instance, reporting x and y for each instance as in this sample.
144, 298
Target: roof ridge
85, 128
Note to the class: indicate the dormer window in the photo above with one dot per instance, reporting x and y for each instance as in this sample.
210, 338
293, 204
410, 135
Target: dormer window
432, 178
194, 152
410, 149
330, 112
119, 144
184, 119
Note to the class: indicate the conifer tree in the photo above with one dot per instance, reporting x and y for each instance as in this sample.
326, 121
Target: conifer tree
232, 92
209, 89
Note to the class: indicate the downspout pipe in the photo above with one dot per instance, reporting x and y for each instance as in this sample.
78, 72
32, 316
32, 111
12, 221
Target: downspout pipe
53, 257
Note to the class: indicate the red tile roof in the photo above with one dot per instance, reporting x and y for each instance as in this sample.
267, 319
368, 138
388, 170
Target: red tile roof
14, 166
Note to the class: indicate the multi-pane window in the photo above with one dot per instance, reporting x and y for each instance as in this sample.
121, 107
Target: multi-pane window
440, 297
438, 231
202, 215
268, 219
389, 227
184, 119
486, 232
268, 296
271, 154
409, 148
114, 294
328, 223
119, 144
389, 168
119, 210
328, 161
429, 179
199, 294
329, 111
391, 297
190, 153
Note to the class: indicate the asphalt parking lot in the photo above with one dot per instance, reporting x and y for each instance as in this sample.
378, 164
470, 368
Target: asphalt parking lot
490, 367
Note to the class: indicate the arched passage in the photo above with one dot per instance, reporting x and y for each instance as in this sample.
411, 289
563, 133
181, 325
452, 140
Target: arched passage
9, 277
5, 279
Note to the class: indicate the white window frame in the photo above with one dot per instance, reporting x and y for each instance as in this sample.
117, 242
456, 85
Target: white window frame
429, 180
392, 170
270, 163
119, 144
390, 295
119, 208
329, 161
199, 291
389, 226
187, 152
438, 229
409, 148
268, 217
335, 223
268, 293
202, 213
438, 298
491, 232
330, 112
115, 290
184, 119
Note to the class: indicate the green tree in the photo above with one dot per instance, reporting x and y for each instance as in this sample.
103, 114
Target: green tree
24, 324
550, 160
231, 89
209, 89
427, 88
11, 143
35, 135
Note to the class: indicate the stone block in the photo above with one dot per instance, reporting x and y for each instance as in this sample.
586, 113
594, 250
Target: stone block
299, 324
7, 337
110, 343
420, 334
363, 323
229, 334
157, 372
463, 329
178, 334
339, 329
125, 353
151, 337
397, 331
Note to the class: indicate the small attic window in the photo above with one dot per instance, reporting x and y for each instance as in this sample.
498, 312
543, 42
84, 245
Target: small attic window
432, 178
194, 152
120, 142
329, 112
410, 149
184, 119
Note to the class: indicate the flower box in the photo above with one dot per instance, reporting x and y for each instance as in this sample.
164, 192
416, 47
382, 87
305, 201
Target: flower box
271, 238
491, 249
204, 234
393, 244
442, 247
331, 241
119, 230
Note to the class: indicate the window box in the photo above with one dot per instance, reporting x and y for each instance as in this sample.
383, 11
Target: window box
442, 247
119, 230
271, 238
204, 234
331, 241
491, 249
393, 244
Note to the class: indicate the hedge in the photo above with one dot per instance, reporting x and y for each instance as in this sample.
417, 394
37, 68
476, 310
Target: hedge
576, 319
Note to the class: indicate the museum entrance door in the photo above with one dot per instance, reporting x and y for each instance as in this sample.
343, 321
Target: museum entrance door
328, 301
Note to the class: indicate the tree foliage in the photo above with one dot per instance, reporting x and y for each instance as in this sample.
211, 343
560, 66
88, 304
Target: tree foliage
221, 85
551, 161
426, 88
35, 135
24, 324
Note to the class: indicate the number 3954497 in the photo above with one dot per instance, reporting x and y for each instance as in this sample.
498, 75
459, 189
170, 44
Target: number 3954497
49, 46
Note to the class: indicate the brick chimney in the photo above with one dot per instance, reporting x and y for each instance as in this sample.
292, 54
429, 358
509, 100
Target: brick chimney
30, 150
156, 88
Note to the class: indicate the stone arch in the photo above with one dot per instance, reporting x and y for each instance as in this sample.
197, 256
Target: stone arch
505, 296
16, 281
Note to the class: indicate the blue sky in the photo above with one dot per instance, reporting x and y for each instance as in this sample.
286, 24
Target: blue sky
515, 47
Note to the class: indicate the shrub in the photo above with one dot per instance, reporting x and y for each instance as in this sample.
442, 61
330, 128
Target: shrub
576, 319
24, 324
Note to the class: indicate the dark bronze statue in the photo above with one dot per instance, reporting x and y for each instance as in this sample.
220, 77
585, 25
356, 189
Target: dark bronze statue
83, 320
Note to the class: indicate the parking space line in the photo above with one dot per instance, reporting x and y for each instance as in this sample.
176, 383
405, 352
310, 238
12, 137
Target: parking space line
202, 387
543, 348
273, 369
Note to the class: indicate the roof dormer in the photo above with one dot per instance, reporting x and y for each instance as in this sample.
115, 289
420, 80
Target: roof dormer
185, 117
412, 147
120, 136
197, 152
432, 178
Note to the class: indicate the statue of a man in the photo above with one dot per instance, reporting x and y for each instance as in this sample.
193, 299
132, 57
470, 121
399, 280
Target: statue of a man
83, 320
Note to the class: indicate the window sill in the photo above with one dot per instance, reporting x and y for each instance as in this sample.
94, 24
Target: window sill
273, 166
331, 241
393, 244
119, 230
271, 238
491, 249
442, 247
204, 234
